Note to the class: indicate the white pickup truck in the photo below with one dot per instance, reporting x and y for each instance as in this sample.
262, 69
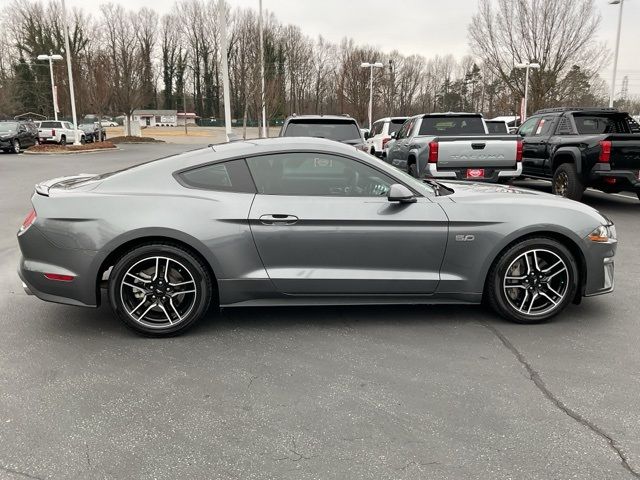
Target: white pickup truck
455, 146
51, 131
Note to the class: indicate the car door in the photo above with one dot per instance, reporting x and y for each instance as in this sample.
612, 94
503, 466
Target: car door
323, 225
400, 147
529, 146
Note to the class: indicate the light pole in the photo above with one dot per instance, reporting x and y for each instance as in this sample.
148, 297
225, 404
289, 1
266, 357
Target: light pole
51, 57
65, 27
371, 66
225, 68
526, 66
612, 92
264, 106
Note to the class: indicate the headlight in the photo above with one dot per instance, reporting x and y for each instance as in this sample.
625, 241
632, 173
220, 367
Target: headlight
603, 234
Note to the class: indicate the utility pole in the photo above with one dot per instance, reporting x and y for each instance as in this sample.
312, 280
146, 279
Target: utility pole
65, 27
225, 68
264, 106
526, 66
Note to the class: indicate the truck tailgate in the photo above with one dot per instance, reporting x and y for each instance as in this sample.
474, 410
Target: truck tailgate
625, 151
486, 151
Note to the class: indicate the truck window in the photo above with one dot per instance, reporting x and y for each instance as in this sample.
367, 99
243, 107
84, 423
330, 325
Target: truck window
545, 126
528, 127
50, 125
340, 130
590, 124
450, 125
395, 125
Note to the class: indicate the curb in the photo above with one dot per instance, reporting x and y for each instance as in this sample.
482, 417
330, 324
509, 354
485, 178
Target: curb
71, 152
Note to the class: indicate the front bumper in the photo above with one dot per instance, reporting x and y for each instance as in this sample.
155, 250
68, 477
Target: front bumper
599, 258
492, 175
5, 144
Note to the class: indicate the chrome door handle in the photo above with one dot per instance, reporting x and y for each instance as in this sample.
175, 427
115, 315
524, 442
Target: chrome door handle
278, 219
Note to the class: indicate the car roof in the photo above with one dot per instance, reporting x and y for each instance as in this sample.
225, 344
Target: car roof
388, 119
450, 114
320, 117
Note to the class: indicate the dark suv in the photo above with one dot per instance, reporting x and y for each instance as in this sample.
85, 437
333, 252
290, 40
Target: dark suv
341, 128
577, 148
16, 135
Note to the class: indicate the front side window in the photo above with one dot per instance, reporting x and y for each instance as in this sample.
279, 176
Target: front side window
232, 176
316, 174
527, 128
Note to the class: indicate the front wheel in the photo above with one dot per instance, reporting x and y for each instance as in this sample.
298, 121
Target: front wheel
159, 289
567, 183
16, 146
532, 281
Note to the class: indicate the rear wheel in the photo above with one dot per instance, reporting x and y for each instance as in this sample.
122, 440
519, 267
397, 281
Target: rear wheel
567, 183
63, 140
532, 281
160, 289
413, 170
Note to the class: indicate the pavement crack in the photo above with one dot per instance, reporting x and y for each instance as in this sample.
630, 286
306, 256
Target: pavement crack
540, 385
19, 473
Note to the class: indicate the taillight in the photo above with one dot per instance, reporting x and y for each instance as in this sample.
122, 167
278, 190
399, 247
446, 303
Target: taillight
605, 151
29, 219
53, 132
433, 152
385, 141
519, 151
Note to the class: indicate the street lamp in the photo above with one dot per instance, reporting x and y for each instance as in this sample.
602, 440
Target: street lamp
52, 57
615, 55
76, 140
371, 66
526, 66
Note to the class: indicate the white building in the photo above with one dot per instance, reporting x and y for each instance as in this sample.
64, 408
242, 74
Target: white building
156, 118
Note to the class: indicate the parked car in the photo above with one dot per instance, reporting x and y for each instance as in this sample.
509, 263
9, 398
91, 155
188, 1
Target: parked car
380, 134
51, 131
94, 132
341, 128
577, 148
456, 146
304, 221
17, 135
108, 123
498, 127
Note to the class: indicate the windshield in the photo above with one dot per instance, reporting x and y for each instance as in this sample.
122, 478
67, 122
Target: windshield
449, 125
8, 126
340, 130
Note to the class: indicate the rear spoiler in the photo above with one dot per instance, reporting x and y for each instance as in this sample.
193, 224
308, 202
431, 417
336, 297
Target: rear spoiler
43, 187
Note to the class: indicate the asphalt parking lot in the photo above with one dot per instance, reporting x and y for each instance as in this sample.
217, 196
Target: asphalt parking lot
305, 393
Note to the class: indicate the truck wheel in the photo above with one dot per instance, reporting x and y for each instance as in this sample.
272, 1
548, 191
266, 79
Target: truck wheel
63, 140
413, 170
567, 183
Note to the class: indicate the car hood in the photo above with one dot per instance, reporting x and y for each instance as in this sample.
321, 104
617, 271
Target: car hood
483, 193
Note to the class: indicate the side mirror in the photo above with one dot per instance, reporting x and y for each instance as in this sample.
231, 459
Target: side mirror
400, 193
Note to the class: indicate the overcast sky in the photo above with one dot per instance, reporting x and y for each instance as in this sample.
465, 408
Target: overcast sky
426, 27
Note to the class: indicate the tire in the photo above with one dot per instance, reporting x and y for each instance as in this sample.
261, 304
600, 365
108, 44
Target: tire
144, 300
532, 281
412, 169
83, 140
15, 146
567, 183
63, 140
638, 193
372, 151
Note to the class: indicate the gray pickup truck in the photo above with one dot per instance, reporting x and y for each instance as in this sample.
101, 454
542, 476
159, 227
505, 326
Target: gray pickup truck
455, 146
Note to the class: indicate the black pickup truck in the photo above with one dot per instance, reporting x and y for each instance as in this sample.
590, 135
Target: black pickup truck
577, 148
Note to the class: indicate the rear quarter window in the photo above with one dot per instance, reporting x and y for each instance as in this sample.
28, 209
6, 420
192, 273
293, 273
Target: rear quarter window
231, 176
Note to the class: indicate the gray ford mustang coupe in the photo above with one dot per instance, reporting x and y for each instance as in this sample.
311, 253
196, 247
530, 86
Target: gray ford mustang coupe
304, 221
